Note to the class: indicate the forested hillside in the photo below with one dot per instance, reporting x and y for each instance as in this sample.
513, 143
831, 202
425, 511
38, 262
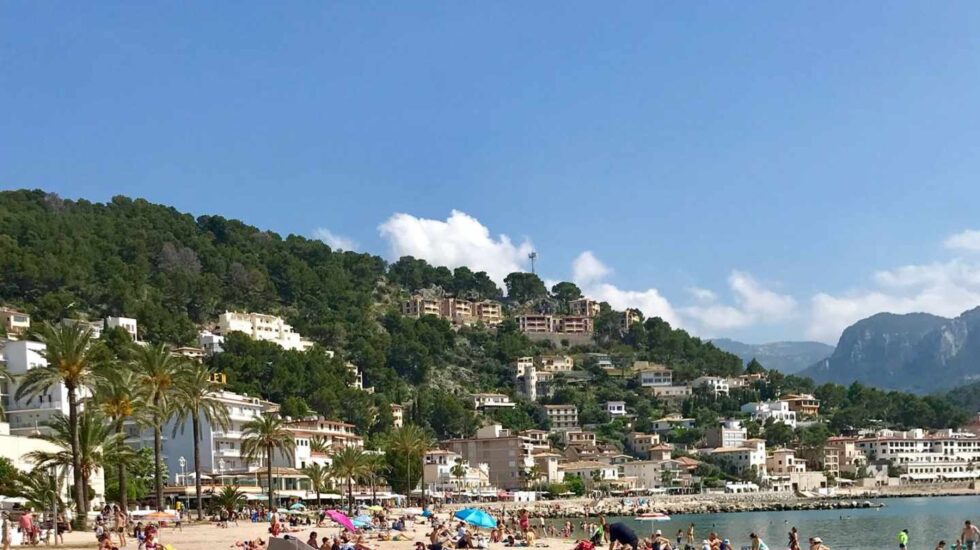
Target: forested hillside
176, 273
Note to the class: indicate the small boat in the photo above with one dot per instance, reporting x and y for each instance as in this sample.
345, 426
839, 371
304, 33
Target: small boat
653, 516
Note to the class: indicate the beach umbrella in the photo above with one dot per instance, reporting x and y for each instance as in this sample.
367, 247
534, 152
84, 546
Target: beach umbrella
374, 508
159, 516
298, 506
476, 518
362, 521
341, 519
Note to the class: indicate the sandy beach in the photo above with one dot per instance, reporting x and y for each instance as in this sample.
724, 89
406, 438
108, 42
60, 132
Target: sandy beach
208, 537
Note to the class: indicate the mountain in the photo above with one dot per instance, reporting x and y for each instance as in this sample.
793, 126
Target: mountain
786, 357
915, 352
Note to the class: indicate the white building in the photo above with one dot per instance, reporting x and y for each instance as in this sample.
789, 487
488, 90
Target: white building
714, 384
945, 455
334, 434
589, 471
484, 401
259, 326
125, 323
652, 376
210, 342
616, 408
750, 456
220, 447
672, 421
440, 469
557, 363
654, 474
30, 414
16, 448
729, 433
777, 410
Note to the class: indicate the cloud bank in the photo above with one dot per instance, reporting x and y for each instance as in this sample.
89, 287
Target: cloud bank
456, 241
334, 240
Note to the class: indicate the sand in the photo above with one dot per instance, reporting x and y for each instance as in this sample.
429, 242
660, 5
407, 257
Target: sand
209, 537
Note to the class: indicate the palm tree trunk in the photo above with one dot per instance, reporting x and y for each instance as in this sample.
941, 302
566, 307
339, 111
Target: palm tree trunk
76, 462
268, 455
157, 463
121, 472
350, 495
196, 421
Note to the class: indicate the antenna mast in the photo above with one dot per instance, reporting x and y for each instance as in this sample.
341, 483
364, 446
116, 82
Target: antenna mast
532, 256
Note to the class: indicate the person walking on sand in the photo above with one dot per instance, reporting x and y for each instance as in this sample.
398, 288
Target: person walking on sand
794, 539
970, 535
690, 536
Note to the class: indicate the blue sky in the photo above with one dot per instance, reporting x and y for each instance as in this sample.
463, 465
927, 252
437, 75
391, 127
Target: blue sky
766, 170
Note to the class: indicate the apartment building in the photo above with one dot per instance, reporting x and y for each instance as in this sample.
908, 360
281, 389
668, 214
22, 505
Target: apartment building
506, 455
945, 455
562, 417
639, 443
571, 324
418, 305
14, 323
584, 307
783, 462
259, 326
458, 312
484, 401
671, 393
589, 471
489, 312
802, 404
535, 323
94, 328
615, 408
729, 433
652, 375
210, 342
31, 414
657, 474
778, 411
849, 458
221, 447
334, 434
538, 438
521, 365
556, 363
716, 385
576, 437
750, 456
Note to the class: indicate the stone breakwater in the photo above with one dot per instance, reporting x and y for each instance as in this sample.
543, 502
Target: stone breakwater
699, 504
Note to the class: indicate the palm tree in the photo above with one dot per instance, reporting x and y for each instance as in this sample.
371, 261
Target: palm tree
158, 371
195, 400
318, 444
119, 397
39, 488
262, 438
69, 361
374, 466
5, 378
459, 472
411, 442
230, 499
319, 478
349, 463
97, 445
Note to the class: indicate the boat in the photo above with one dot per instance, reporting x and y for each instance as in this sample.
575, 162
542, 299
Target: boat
653, 516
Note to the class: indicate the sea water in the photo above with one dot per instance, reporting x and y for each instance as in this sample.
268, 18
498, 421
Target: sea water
928, 519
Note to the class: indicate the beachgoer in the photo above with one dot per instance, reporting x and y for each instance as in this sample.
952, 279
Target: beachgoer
970, 535
621, 533
903, 539
941, 545
5, 530
758, 543
816, 543
705, 545
794, 539
690, 535
312, 540
680, 537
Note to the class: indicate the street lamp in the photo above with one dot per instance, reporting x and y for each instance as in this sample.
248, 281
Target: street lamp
183, 472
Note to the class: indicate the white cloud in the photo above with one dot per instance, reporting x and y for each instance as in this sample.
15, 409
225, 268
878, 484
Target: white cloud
459, 240
968, 240
945, 289
587, 269
334, 240
754, 304
588, 273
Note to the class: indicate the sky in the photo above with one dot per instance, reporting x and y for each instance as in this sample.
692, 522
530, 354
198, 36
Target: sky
757, 170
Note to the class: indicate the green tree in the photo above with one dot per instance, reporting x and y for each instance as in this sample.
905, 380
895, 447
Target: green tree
349, 463
68, 355
458, 471
406, 447
195, 401
565, 292
158, 372
319, 478
754, 367
120, 398
524, 287
262, 439
229, 499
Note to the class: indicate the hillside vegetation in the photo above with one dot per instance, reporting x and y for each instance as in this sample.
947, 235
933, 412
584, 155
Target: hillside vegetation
176, 273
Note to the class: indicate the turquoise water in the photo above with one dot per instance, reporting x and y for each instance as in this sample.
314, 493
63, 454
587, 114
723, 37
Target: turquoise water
928, 520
